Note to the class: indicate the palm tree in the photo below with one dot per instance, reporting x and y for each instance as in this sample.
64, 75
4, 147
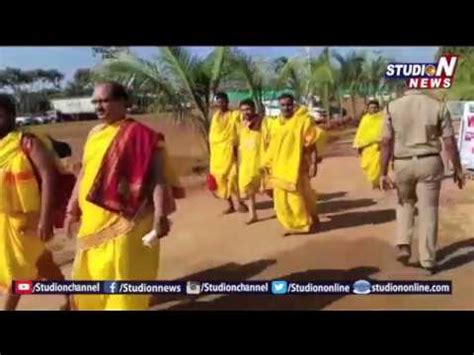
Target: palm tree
349, 75
373, 77
305, 76
254, 76
461, 51
323, 79
177, 80
292, 77
463, 86
308, 76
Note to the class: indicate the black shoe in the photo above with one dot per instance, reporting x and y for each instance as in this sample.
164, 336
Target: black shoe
404, 254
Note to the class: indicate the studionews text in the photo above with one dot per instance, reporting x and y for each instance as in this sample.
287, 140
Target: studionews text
277, 287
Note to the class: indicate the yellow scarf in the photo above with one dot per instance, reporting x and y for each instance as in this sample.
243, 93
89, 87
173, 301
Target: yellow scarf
252, 145
369, 131
284, 155
19, 190
222, 139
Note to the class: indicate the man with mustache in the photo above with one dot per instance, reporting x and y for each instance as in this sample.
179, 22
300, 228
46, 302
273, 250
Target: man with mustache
124, 195
253, 140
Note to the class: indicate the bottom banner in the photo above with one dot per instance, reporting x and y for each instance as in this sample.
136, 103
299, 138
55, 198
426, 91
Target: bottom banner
275, 287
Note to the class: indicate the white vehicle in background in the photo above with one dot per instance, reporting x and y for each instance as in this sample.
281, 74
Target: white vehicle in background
466, 136
39, 120
319, 114
272, 109
24, 121
52, 116
74, 108
74, 105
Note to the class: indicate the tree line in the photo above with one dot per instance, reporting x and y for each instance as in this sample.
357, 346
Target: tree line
185, 83
33, 89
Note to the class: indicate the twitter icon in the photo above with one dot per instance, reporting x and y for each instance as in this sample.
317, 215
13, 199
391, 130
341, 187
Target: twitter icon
279, 287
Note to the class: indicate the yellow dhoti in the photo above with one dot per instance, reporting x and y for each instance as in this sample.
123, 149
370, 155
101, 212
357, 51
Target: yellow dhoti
296, 210
294, 199
122, 258
370, 163
223, 163
20, 246
20, 249
118, 253
251, 152
367, 139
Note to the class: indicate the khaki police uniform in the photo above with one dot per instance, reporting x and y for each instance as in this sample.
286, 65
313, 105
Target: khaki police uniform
416, 122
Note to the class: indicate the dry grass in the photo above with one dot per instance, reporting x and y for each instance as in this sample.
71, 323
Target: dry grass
184, 143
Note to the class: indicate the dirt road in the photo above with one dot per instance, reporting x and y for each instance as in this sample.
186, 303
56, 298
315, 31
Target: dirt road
354, 241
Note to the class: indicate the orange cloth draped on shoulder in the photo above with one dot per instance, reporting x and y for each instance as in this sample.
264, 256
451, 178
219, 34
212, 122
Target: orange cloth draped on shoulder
121, 183
110, 244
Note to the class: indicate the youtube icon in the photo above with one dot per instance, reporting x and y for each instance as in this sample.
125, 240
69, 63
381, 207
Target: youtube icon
23, 287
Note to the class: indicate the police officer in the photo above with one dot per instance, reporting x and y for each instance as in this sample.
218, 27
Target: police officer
414, 124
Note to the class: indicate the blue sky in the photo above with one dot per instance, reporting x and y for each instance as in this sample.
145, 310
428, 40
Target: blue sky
68, 59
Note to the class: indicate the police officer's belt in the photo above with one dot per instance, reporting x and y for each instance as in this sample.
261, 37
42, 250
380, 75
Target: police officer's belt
417, 156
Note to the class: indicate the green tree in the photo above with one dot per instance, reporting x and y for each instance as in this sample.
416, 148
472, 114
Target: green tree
253, 75
176, 79
31, 88
323, 78
279, 63
109, 52
372, 78
350, 76
292, 76
15, 79
463, 85
461, 51
309, 76
82, 83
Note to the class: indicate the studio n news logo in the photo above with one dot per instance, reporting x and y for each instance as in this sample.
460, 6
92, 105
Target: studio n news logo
23, 287
425, 75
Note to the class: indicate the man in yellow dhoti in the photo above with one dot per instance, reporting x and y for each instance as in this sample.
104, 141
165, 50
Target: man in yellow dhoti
27, 191
223, 143
253, 139
367, 142
292, 161
123, 197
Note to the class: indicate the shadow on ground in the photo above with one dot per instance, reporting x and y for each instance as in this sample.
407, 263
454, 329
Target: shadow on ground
338, 206
340, 149
264, 205
330, 196
355, 219
293, 302
447, 263
227, 272
266, 218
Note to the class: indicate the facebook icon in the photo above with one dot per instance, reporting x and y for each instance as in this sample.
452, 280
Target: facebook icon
110, 287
